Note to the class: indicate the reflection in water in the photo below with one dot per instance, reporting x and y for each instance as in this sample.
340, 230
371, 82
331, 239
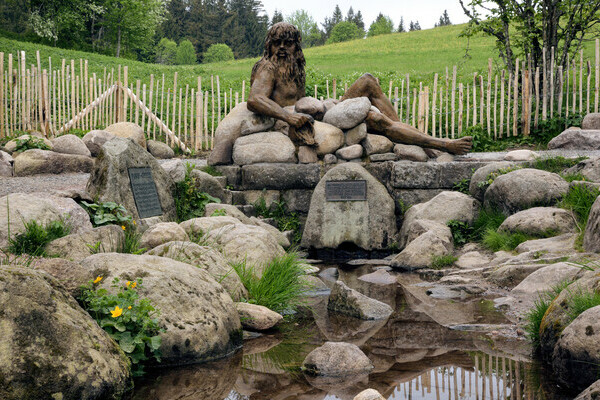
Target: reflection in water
414, 357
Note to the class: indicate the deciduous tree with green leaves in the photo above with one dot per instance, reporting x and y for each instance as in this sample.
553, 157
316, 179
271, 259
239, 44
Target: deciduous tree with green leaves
186, 55
381, 26
343, 32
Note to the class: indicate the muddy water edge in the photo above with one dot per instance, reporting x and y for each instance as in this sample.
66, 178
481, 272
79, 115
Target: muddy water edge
431, 347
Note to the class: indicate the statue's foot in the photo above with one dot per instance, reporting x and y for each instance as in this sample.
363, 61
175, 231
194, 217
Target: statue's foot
459, 146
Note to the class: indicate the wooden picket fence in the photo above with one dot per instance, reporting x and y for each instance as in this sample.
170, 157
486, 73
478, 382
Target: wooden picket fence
504, 103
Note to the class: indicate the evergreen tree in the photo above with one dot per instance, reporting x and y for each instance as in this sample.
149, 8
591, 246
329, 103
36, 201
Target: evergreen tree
174, 26
350, 16
337, 15
444, 19
359, 21
301, 19
417, 27
401, 25
277, 17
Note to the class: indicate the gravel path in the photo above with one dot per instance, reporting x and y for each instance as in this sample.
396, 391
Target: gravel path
50, 183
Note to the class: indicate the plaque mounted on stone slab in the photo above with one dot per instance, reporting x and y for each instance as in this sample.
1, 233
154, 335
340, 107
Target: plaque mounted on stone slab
144, 192
348, 190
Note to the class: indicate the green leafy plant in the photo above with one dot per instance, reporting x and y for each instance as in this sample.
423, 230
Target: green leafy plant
131, 240
285, 219
130, 320
552, 127
494, 174
219, 212
31, 142
536, 314
462, 185
189, 201
461, 232
36, 236
487, 220
107, 213
439, 262
556, 164
279, 288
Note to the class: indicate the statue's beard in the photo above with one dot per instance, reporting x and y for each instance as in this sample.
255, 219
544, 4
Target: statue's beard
287, 66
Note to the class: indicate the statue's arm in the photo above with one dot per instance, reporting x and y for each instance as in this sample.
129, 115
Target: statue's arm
260, 102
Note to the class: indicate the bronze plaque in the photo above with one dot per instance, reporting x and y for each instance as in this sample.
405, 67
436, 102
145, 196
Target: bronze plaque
144, 192
346, 190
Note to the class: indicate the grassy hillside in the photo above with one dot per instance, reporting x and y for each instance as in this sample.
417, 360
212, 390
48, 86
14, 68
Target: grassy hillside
419, 53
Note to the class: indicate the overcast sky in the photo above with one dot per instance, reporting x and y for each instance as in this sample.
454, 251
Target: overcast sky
427, 12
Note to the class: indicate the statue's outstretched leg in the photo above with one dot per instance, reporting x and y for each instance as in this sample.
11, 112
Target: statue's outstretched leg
388, 123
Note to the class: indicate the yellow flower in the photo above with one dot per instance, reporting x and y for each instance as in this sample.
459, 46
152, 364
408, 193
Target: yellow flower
98, 279
116, 312
123, 226
128, 283
129, 308
133, 285
134, 221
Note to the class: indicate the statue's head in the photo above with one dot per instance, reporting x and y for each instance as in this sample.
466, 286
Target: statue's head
283, 48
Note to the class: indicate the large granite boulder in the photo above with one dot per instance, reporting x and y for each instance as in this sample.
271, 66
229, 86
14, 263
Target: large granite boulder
591, 237
540, 221
369, 224
175, 168
35, 161
410, 152
348, 301
6, 164
337, 359
369, 394
591, 121
263, 147
420, 252
525, 188
162, 233
51, 347
348, 113
591, 393
70, 144
128, 130
576, 139
478, 184
206, 183
160, 150
310, 106
207, 258
77, 246
20, 208
94, 140
442, 208
350, 152
544, 279
199, 317
356, 134
328, 138
377, 144
576, 357
109, 180
521, 155
230, 128
589, 168
69, 273
256, 317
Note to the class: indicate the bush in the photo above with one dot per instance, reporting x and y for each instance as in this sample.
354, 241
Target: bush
35, 237
166, 52
381, 26
189, 202
129, 320
343, 32
217, 52
186, 54
286, 220
106, 213
552, 127
280, 288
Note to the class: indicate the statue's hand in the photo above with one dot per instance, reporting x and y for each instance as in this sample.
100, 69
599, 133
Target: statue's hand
299, 120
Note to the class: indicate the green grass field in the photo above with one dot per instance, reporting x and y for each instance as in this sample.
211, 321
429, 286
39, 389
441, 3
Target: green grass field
420, 54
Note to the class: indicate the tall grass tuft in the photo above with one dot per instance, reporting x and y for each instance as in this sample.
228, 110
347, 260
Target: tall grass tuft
579, 200
495, 241
35, 237
280, 288
536, 314
581, 301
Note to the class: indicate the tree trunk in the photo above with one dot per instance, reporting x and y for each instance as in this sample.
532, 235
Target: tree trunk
118, 42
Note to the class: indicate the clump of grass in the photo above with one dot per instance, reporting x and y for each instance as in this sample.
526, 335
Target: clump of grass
579, 200
209, 169
439, 262
573, 177
131, 240
495, 241
279, 288
36, 236
581, 301
285, 219
488, 219
556, 164
540, 307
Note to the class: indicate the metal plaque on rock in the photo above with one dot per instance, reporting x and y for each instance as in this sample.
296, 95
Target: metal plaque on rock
346, 190
144, 192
